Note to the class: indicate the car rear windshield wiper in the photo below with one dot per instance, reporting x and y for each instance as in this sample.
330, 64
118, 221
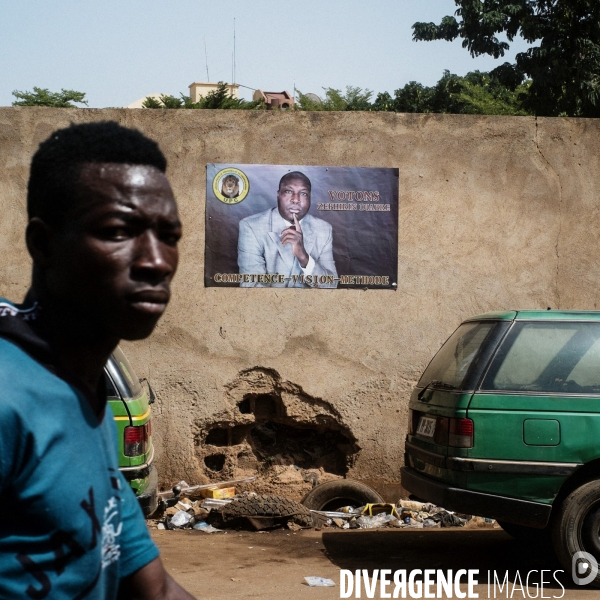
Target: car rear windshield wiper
438, 384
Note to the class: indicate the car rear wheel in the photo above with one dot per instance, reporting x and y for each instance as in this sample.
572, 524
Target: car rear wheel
576, 528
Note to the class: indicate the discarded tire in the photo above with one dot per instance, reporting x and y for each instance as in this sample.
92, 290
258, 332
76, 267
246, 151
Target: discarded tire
575, 529
332, 495
266, 506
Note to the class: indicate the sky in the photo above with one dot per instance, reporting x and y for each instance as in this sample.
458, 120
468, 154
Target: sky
117, 51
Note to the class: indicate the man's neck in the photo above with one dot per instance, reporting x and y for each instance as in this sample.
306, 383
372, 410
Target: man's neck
79, 355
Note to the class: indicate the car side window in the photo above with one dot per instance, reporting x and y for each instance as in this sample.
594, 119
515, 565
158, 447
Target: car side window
556, 357
111, 392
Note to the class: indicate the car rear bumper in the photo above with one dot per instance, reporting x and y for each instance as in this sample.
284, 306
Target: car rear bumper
502, 508
148, 477
148, 499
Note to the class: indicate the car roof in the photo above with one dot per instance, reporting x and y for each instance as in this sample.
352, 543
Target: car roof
539, 315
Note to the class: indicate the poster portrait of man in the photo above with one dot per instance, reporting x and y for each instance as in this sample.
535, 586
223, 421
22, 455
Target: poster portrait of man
301, 226
286, 239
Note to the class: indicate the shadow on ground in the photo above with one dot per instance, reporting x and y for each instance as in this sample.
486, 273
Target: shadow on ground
485, 550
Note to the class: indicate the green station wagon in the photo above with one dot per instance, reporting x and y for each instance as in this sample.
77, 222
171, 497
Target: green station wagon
505, 423
131, 409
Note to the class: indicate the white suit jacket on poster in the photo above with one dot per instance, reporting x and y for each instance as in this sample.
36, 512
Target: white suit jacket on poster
260, 250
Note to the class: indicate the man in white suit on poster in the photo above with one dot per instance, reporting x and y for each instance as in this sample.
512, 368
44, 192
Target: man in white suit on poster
286, 240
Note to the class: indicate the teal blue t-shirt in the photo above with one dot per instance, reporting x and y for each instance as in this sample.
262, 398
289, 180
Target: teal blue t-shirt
70, 525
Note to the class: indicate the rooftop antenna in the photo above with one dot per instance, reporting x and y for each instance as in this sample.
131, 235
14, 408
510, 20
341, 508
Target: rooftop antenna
206, 57
233, 51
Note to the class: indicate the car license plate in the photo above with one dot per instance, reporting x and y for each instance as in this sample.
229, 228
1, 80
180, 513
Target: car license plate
426, 426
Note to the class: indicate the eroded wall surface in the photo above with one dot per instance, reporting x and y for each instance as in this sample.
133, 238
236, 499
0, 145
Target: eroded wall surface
495, 213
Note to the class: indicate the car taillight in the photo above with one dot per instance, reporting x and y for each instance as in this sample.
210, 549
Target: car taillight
461, 433
136, 439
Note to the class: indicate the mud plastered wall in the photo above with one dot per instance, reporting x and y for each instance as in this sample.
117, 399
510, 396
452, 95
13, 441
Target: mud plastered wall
294, 385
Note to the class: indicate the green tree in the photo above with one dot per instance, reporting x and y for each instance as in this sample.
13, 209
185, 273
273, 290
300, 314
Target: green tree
44, 97
475, 93
563, 61
219, 98
355, 98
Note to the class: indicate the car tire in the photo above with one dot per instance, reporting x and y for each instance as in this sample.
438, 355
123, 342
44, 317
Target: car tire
576, 526
264, 506
526, 534
332, 495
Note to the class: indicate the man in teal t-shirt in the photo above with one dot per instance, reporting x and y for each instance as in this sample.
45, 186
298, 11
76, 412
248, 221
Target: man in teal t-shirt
103, 231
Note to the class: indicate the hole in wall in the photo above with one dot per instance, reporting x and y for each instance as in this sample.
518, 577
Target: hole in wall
244, 406
215, 462
218, 437
303, 431
303, 447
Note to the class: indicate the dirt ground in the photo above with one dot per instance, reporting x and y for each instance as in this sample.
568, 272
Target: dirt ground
241, 564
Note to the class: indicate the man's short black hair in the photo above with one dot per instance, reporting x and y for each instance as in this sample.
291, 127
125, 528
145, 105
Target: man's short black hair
295, 176
56, 166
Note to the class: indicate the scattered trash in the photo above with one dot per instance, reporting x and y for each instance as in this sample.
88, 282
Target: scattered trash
183, 487
204, 526
223, 509
180, 519
349, 510
319, 582
374, 509
217, 503
368, 522
218, 493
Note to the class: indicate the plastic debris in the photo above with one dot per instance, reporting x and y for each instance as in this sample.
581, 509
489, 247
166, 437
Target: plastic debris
204, 526
350, 510
183, 487
319, 582
368, 522
215, 503
180, 519
374, 509
204, 514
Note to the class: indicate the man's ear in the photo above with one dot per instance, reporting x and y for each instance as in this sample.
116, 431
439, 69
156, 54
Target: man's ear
38, 237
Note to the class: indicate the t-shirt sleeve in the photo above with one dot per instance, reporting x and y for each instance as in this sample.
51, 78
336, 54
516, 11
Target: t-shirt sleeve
137, 548
17, 453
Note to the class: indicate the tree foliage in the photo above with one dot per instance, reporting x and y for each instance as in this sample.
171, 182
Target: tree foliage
44, 97
219, 98
563, 61
475, 93
355, 98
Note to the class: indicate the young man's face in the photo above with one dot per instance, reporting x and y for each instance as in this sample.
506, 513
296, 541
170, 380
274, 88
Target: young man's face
293, 198
117, 253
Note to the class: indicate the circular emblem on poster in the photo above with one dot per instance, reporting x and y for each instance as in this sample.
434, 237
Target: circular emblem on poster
231, 186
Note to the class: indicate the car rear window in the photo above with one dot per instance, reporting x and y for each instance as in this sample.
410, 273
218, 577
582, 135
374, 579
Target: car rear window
461, 360
547, 357
126, 379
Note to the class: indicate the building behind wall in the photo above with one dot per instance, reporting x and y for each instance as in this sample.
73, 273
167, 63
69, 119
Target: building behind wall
200, 89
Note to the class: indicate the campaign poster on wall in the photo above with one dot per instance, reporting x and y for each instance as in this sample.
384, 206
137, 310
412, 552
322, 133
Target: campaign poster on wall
301, 226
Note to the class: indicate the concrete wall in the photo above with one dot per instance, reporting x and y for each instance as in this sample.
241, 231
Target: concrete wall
495, 213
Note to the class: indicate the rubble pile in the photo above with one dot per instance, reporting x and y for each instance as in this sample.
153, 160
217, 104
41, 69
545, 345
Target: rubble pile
212, 514
405, 514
